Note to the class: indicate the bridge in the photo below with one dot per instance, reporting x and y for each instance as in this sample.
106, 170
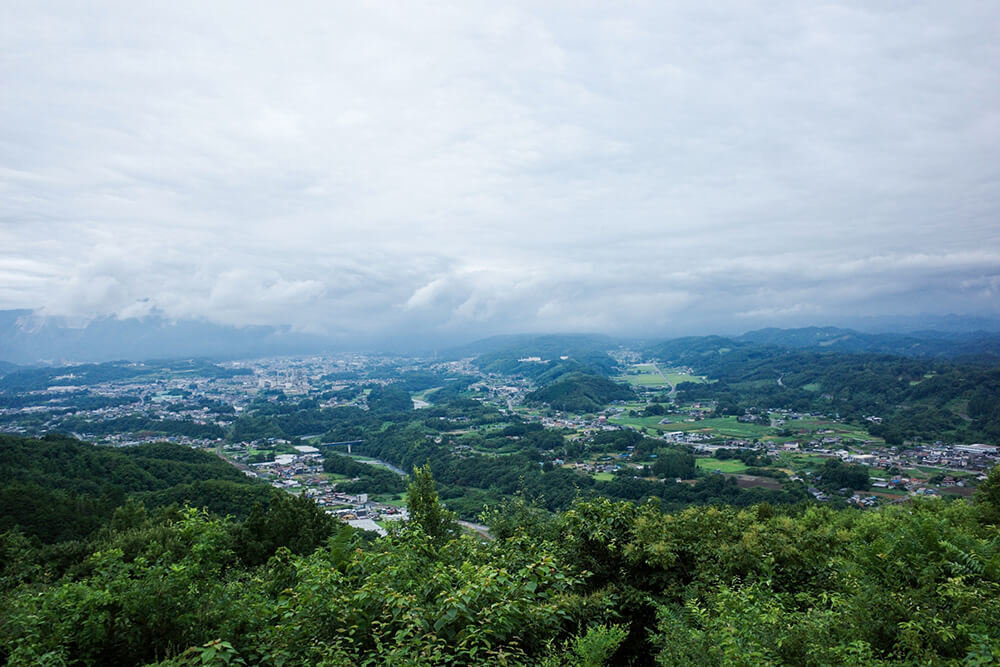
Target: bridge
348, 443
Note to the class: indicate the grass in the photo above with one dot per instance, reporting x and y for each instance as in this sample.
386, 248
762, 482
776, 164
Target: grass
801, 462
422, 396
731, 466
649, 377
603, 476
644, 379
814, 425
722, 426
675, 377
933, 470
729, 426
390, 499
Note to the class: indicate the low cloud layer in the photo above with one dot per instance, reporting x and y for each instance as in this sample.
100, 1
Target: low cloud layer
368, 170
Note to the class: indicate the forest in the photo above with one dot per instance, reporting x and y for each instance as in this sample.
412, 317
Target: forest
603, 582
930, 399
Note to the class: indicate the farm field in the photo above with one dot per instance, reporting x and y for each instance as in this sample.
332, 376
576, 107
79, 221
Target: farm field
644, 375
723, 426
800, 462
751, 481
890, 494
647, 376
813, 425
423, 395
725, 466
728, 426
391, 499
675, 377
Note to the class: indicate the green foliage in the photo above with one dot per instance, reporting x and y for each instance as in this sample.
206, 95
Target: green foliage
834, 474
59, 488
581, 392
216, 653
516, 517
389, 399
559, 354
131, 610
292, 522
988, 496
595, 648
912, 395
371, 479
673, 463
605, 582
426, 511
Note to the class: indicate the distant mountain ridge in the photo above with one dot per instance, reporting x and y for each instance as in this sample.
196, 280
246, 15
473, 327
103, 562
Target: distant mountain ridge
915, 344
542, 345
26, 338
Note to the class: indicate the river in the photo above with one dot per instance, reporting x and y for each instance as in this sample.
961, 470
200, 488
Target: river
377, 462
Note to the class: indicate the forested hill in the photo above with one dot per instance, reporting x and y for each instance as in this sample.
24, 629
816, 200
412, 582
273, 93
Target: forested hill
926, 398
81, 375
571, 372
980, 345
581, 392
544, 358
59, 488
602, 583
543, 345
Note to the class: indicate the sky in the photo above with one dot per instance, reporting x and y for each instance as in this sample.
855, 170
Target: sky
365, 169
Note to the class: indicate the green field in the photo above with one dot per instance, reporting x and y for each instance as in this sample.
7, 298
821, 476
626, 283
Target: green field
800, 462
675, 377
422, 396
723, 426
648, 376
812, 425
603, 476
730, 427
390, 499
726, 466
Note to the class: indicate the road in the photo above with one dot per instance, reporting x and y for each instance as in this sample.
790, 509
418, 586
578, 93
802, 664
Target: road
477, 527
673, 387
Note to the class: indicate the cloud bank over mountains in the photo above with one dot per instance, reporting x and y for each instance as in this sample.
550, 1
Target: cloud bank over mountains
359, 171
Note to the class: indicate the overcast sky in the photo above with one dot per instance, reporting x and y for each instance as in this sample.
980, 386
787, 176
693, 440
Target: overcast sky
364, 168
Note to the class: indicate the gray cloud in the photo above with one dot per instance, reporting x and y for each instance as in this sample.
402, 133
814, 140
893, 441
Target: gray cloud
395, 167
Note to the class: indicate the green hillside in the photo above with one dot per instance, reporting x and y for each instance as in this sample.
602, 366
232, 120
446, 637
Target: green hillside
601, 583
58, 488
581, 392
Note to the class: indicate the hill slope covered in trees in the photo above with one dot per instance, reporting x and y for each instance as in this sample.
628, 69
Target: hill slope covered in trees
603, 582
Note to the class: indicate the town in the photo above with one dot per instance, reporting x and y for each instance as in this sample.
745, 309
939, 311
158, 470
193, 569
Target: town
237, 409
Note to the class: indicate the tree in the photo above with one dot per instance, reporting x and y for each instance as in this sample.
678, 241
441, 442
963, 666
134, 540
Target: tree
425, 509
295, 522
988, 496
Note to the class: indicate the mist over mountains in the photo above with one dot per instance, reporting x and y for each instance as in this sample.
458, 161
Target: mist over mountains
28, 338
